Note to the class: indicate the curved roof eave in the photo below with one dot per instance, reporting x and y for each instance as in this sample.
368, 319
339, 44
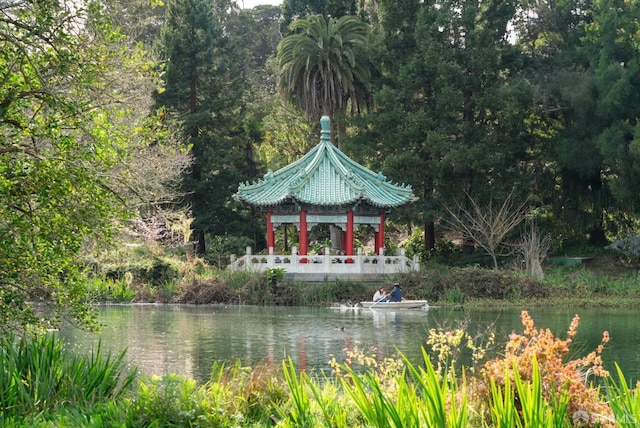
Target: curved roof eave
325, 177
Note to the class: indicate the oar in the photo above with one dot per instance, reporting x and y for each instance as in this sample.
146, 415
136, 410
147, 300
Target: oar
371, 307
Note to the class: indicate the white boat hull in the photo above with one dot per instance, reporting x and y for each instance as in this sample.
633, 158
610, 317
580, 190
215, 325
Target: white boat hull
405, 304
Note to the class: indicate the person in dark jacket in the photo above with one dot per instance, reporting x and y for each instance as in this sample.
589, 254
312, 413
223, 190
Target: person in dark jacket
396, 293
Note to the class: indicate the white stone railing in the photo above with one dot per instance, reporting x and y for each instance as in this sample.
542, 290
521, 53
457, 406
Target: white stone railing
326, 263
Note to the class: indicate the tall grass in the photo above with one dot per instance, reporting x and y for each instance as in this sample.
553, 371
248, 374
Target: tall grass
40, 375
443, 400
624, 401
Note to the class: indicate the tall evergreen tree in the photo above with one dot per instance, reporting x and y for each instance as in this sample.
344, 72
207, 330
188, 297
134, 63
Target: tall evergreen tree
614, 40
585, 65
203, 89
449, 108
597, 151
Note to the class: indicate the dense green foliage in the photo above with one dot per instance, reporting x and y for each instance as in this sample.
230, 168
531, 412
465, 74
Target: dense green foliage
58, 142
494, 98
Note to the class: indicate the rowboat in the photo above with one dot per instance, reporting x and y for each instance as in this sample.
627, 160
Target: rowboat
405, 304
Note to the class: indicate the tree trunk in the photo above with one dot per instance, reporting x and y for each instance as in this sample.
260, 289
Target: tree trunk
597, 235
429, 236
536, 269
199, 245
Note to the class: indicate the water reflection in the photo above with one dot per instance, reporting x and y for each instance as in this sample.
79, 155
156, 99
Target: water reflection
188, 339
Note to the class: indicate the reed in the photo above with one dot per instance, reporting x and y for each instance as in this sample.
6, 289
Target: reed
624, 401
334, 410
39, 375
376, 405
443, 400
522, 404
535, 411
300, 414
502, 405
103, 290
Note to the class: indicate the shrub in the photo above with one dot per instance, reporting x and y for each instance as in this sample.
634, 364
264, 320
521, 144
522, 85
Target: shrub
414, 245
161, 272
275, 275
539, 346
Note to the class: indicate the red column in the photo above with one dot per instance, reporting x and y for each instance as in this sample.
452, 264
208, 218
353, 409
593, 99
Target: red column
380, 243
376, 240
271, 239
349, 234
303, 232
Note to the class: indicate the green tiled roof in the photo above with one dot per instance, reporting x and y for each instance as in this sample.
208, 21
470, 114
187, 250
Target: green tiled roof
324, 176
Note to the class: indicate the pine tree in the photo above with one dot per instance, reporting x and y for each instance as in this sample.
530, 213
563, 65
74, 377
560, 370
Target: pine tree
202, 92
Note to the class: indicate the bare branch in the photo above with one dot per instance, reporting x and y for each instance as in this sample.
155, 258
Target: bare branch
487, 226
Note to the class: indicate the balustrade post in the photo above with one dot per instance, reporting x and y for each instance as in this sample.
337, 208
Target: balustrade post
327, 259
248, 257
294, 258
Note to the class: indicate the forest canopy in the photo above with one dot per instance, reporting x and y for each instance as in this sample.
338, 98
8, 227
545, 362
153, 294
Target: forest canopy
142, 116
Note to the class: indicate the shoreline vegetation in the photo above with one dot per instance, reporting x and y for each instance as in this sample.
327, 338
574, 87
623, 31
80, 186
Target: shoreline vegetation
602, 281
531, 382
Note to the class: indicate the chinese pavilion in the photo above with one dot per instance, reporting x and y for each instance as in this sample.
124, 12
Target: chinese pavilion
325, 187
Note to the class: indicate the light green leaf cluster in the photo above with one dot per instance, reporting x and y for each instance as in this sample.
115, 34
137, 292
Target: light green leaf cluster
60, 138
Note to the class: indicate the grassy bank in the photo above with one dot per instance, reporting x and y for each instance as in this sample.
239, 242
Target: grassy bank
529, 383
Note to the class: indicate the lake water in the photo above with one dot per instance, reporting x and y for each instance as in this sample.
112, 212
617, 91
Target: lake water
187, 339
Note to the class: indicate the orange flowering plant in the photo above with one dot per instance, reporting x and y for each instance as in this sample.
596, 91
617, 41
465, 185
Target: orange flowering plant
585, 407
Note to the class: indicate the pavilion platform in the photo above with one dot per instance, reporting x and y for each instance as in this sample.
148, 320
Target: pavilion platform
328, 267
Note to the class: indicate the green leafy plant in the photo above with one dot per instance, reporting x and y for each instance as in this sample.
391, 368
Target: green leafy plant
523, 403
300, 412
443, 401
535, 410
454, 295
275, 275
40, 375
171, 400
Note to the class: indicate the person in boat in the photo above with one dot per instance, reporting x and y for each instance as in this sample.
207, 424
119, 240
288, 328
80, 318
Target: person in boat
396, 293
380, 295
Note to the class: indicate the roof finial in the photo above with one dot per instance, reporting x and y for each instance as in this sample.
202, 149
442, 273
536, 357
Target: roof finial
325, 135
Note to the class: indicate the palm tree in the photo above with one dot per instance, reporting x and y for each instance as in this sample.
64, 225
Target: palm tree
322, 67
